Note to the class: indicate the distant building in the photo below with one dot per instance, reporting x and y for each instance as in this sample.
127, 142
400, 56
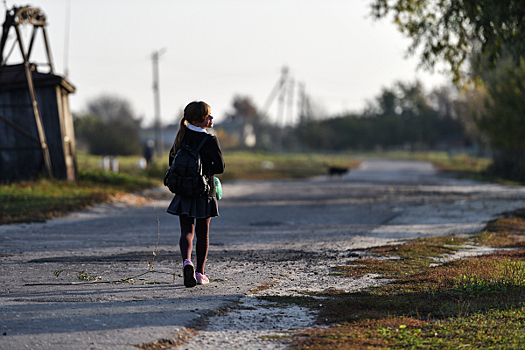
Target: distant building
241, 130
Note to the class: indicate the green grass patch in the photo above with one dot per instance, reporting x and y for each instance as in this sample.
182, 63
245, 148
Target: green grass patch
268, 166
387, 268
422, 248
240, 165
476, 302
44, 199
409, 258
127, 165
441, 306
503, 233
495, 329
460, 162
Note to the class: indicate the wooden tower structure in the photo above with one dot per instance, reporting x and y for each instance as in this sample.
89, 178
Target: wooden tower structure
36, 126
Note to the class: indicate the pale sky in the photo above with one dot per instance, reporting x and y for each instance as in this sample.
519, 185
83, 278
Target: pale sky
216, 49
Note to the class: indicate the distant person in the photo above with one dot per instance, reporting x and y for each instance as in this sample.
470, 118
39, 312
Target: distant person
149, 150
195, 213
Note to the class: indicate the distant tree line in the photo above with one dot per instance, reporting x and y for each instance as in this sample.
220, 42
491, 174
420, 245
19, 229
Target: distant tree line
401, 117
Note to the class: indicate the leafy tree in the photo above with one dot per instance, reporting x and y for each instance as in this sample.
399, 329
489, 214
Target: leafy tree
504, 119
242, 123
112, 108
448, 31
244, 109
109, 127
469, 107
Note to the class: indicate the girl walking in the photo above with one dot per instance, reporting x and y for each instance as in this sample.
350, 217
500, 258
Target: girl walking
195, 213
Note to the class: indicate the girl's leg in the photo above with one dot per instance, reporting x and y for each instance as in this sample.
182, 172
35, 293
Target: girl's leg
186, 237
202, 229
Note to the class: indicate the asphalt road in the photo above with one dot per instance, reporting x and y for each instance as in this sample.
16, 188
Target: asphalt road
263, 227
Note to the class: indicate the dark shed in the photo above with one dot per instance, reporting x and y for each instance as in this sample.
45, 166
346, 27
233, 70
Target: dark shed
20, 152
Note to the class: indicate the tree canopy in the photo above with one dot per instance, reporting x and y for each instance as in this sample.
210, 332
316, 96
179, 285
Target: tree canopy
243, 108
112, 108
452, 31
109, 127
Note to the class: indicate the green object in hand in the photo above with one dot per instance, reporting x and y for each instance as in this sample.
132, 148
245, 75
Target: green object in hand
218, 188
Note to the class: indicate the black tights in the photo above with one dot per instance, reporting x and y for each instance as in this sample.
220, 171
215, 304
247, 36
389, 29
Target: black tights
202, 228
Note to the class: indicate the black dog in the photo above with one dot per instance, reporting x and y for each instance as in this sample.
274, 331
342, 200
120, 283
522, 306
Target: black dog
337, 171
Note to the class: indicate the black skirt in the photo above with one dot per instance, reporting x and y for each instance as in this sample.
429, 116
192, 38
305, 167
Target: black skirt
198, 207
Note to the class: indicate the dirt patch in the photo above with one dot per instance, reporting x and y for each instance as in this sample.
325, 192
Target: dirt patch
180, 338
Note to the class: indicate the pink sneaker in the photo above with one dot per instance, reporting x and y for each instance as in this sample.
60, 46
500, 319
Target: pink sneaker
188, 272
202, 278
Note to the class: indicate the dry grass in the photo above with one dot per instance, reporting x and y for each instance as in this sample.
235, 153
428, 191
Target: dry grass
44, 199
264, 286
503, 233
474, 302
268, 166
178, 340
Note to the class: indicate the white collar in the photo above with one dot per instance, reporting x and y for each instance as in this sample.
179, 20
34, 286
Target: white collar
195, 128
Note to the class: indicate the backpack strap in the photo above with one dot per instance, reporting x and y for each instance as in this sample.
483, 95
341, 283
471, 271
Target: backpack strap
205, 138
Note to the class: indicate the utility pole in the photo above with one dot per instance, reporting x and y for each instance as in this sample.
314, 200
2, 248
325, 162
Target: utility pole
280, 107
291, 86
301, 105
159, 142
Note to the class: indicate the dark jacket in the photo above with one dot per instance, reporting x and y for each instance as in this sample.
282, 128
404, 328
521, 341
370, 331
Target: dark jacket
211, 155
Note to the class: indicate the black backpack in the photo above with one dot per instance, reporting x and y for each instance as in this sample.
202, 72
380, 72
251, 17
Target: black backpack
185, 175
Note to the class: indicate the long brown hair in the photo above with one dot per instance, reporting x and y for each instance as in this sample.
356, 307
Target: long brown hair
195, 111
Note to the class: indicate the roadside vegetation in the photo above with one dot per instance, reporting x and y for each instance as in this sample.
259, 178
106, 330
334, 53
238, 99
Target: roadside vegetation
476, 302
42, 199
462, 165
266, 166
